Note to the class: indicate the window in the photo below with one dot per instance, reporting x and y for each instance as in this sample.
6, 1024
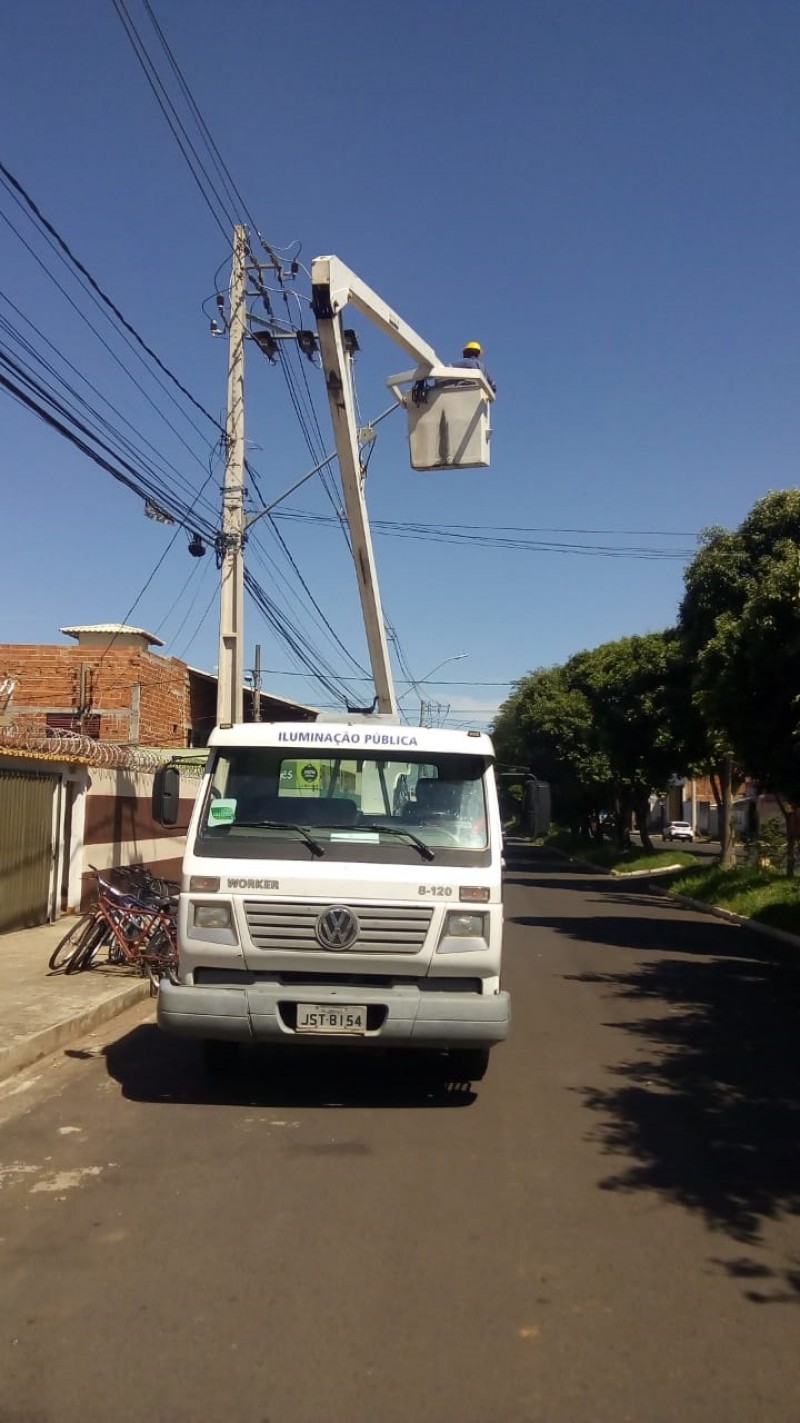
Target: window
257, 793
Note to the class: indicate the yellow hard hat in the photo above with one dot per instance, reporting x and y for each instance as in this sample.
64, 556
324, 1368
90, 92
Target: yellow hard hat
473, 347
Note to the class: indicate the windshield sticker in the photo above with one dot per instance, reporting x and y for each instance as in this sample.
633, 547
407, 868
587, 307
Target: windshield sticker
221, 812
359, 836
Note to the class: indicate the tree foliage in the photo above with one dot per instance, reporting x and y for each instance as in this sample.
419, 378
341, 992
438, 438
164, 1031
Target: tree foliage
740, 623
605, 728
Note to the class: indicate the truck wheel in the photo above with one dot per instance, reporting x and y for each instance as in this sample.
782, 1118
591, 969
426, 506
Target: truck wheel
467, 1064
219, 1056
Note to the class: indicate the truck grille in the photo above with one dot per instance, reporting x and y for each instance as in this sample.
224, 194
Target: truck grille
288, 928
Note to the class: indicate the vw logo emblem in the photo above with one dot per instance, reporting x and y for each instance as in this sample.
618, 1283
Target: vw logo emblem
337, 928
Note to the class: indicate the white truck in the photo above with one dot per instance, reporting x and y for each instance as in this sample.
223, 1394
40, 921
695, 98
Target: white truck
342, 882
342, 885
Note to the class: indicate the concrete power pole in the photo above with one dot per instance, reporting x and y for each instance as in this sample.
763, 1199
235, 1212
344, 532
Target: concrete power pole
257, 684
230, 696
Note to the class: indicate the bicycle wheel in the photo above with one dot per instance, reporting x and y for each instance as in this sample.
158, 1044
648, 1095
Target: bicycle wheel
84, 947
71, 942
159, 957
93, 941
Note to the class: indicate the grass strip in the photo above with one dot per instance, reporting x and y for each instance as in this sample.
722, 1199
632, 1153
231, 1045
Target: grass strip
763, 895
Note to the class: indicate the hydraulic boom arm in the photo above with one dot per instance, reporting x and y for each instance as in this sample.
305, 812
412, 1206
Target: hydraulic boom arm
334, 285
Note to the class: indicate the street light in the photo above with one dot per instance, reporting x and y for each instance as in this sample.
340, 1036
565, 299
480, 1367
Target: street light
417, 684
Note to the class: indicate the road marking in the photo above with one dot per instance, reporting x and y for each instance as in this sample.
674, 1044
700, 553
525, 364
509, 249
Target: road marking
66, 1180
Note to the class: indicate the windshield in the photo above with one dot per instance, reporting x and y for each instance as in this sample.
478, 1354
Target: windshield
266, 800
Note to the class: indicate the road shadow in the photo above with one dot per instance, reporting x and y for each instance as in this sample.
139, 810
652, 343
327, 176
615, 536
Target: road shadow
150, 1066
651, 932
706, 1111
534, 859
773, 1286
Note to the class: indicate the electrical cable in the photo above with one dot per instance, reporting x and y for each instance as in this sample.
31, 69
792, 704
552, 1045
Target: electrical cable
125, 445
214, 153
224, 173
206, 565
151, 75
214, 596
56, 236
112, 353
125, 472
436, 534
197, 564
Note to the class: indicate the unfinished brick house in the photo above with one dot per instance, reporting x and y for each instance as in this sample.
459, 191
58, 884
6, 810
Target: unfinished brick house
65, 805
110, 685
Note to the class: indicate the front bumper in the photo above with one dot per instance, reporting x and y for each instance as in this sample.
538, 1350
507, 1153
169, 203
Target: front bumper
403, 1016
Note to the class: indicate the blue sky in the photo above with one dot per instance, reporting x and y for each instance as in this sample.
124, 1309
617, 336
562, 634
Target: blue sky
604, 194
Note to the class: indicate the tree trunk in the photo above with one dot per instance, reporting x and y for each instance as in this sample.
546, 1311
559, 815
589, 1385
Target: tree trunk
792, 821
727, 856
642, 812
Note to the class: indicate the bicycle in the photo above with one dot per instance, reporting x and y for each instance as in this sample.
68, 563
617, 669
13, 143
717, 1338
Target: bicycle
138, 927
89, 931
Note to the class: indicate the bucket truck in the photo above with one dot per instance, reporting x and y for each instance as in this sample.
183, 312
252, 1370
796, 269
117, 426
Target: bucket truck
341, 883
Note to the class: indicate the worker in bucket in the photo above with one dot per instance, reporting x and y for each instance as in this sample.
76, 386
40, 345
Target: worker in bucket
471, 358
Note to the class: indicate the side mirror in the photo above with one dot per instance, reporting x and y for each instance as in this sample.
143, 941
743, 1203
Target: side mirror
166, 795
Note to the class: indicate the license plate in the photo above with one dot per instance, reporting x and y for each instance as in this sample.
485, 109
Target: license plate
325, 1018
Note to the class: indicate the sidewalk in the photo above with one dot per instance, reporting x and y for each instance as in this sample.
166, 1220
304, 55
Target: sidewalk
40, 1010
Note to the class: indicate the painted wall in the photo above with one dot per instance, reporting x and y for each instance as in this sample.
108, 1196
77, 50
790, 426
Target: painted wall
119, 828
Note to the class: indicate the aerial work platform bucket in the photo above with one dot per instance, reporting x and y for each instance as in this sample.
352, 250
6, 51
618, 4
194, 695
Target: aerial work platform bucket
448, 417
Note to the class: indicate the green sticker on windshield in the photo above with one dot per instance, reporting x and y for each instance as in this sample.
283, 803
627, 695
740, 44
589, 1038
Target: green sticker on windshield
221, 812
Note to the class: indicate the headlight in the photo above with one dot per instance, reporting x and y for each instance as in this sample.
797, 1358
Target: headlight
211, 916
463, 933
465, 926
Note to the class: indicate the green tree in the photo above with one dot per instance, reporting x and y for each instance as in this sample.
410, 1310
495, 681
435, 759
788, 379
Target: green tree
606, 729
633, 688
546, 724
740, 624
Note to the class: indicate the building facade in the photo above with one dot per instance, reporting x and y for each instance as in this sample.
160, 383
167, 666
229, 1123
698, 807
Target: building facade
82, 727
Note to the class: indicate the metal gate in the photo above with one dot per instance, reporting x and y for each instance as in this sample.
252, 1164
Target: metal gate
26, 847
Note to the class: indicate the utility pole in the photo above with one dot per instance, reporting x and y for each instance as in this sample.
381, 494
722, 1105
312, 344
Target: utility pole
257, 684
230, 698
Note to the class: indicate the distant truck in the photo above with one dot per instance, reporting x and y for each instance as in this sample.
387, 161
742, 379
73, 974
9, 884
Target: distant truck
341, 887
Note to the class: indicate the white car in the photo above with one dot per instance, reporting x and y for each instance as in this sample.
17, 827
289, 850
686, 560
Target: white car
678, 830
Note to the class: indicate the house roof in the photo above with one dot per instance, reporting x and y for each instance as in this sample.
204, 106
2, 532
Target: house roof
266, 696
114, 630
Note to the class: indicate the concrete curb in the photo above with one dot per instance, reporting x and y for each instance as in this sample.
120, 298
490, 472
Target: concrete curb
766, 929
38, 1045
645, 874
781, 935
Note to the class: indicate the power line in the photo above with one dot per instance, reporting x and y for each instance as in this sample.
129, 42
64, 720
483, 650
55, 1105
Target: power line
105, 344
435, 533
103, 296
164, 103
124, 444
39, 399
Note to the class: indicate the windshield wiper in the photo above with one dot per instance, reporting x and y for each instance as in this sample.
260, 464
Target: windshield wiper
313, 845
425, 850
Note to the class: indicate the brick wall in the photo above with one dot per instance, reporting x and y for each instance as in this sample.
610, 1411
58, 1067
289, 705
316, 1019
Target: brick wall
141, 699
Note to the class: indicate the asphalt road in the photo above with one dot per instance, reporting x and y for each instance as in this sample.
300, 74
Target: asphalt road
605, 1230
